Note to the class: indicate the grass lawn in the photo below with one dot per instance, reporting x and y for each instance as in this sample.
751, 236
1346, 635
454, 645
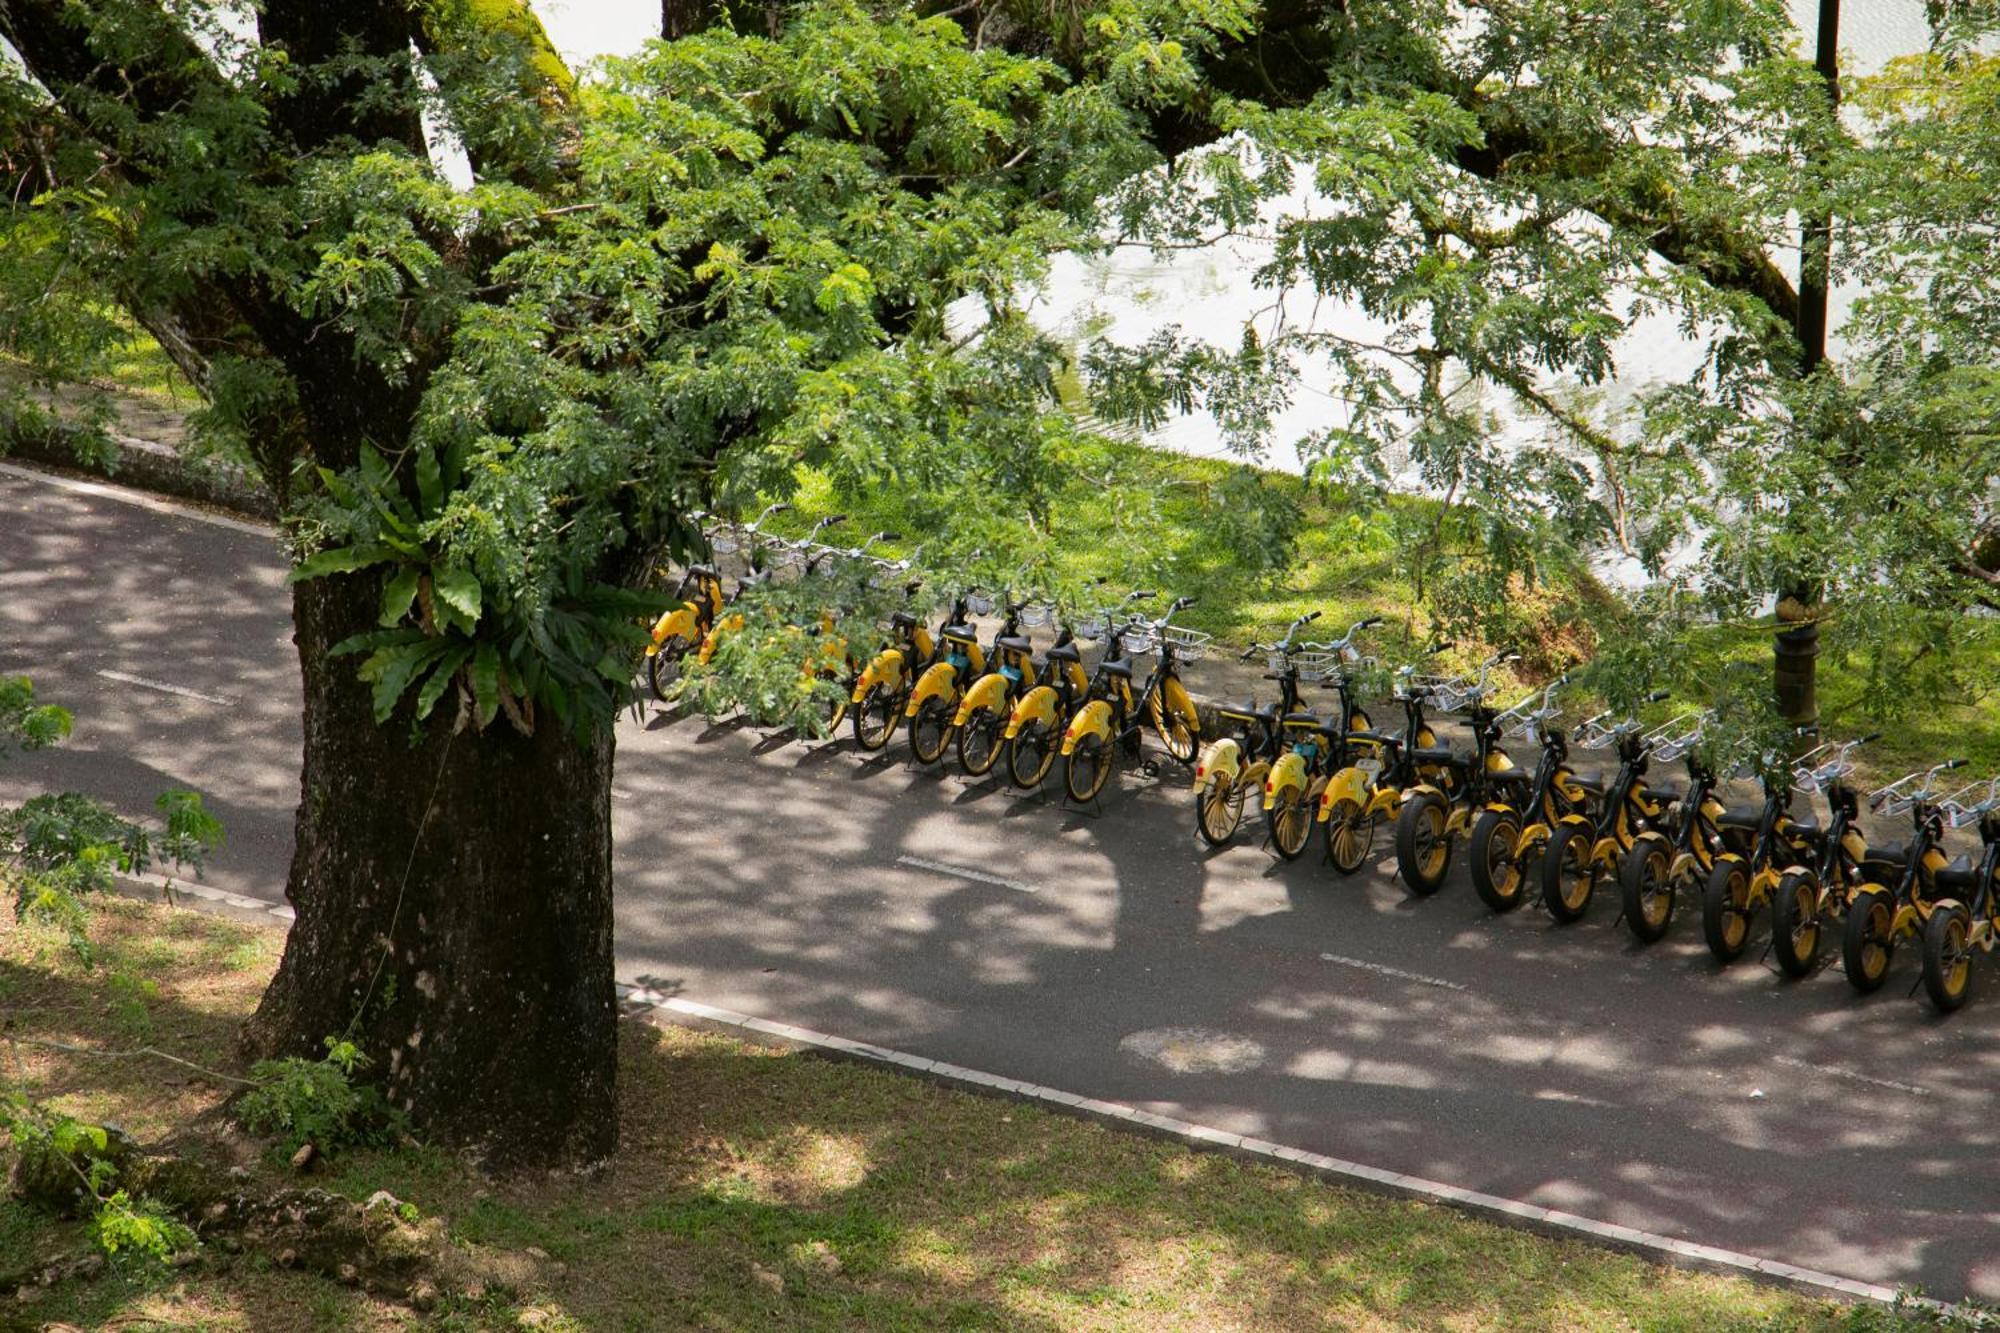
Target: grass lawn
763, 1190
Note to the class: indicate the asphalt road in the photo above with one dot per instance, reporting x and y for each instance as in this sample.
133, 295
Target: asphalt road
1108, 954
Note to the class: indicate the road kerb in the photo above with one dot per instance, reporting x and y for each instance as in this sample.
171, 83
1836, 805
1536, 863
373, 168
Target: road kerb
680, 1012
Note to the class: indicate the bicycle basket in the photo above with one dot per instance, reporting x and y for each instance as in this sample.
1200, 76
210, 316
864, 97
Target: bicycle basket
1675, 746
1277, 662
1092, 628
1414, 684
979, 604
1316, 666
1898, 803
1453, 693
1140, 639
1594, 736
1035, 615
1815, 779
1190, 645
1967, 804
724, 545
1956, 815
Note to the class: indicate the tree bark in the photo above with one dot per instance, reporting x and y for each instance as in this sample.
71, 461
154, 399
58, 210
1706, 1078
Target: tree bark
1795, 648
453, 894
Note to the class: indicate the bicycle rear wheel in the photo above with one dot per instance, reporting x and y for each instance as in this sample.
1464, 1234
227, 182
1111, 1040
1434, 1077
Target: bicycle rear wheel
1031, 754
1218, 810
1089, 768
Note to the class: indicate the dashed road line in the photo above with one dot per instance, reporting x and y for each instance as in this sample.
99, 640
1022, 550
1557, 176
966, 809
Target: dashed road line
145, 684
964, 872
1835, 1071
1383, 969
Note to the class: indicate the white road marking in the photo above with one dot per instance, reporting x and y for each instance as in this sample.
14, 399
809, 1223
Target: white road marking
144, 684
1835, 1071
962, 872
126, 495
1396, 972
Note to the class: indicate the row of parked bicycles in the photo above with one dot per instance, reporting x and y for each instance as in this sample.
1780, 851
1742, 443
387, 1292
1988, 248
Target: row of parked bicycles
1540, 831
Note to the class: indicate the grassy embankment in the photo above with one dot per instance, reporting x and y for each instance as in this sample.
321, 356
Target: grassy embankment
760, 1190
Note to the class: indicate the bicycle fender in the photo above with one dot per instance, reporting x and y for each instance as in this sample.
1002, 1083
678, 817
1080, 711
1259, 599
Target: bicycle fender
1419, 788
1038, 703
1176, 700
1906, 921
989, 691
1094, 718
721, 630
938, 681
1350, 783
1386, 801
679, 621
1219, 760
1534, 837
1289, 771
886, 668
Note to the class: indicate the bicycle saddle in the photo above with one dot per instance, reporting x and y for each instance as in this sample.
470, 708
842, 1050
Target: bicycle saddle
1959, 876
1064, 652
1807, 826
963, 633
1741, 816
1250, 712
1893, 853
1436, 754
1014, 643
902, 620
1313, 720
704, 572
1120, 668
1591, 786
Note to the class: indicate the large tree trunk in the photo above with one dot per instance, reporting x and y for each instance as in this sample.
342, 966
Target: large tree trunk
454, 911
